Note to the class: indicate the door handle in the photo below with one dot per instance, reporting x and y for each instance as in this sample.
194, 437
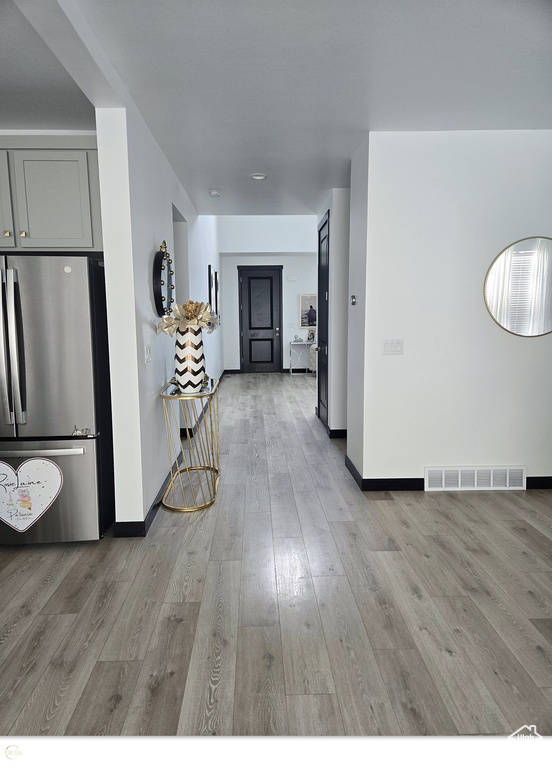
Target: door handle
4, 385
37, 454
277, 331
11, 281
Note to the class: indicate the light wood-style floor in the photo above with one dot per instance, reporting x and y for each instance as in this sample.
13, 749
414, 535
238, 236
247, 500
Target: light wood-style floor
295, 605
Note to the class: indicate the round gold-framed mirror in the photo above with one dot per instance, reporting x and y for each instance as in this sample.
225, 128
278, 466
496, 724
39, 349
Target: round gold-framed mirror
518, 287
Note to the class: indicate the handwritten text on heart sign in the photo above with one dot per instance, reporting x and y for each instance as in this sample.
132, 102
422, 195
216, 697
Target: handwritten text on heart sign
26, 494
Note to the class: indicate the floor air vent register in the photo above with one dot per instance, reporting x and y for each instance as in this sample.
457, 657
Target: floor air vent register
475, 478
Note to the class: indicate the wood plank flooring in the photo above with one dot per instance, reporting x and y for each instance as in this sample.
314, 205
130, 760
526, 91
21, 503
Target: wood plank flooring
295, 605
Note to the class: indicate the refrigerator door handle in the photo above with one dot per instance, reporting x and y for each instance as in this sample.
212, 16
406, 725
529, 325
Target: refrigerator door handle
4, 383
14, 343
39, 454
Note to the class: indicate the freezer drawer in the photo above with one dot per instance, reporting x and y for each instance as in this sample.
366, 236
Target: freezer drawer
48, 491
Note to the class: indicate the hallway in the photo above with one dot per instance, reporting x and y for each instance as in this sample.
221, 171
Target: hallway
295, 605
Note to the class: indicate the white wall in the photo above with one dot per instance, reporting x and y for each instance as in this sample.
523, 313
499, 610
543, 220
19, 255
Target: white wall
356, 342
119, 279
338, 204
264, 234
139, 189
302, 266
204, 250
441, 206
180, 245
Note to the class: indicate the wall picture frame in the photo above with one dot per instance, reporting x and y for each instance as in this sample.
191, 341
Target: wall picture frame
211, 284
217, 295
307, 310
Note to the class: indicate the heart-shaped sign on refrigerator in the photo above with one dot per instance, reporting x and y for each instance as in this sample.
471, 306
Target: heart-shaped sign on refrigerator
27, 494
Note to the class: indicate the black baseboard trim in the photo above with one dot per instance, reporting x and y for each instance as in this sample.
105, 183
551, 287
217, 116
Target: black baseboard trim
140, 528
357, 477
235, 371
538, 483
186, 433
337, 433
384, 483
394, 484
135, 529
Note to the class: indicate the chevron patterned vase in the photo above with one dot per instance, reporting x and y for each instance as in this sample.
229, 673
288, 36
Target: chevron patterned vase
189, 360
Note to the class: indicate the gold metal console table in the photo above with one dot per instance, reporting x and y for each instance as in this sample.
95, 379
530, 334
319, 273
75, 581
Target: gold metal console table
192, 431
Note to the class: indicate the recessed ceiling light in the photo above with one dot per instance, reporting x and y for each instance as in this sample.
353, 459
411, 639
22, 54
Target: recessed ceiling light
258, 176
215, 193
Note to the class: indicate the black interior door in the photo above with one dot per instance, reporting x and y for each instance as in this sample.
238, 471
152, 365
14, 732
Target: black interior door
322, 319
260, 319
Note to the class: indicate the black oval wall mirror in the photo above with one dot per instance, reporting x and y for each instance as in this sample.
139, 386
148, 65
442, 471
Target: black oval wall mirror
518, 287
163, 281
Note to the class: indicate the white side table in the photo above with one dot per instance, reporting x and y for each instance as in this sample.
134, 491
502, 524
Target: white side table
296, 351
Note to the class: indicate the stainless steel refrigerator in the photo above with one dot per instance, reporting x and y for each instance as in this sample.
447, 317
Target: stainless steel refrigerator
56, 456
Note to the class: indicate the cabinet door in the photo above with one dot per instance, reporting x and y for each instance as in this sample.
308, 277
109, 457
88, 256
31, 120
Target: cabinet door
53, 199
6, 217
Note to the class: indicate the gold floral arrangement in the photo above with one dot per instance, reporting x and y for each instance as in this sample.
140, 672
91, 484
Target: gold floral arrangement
190, 313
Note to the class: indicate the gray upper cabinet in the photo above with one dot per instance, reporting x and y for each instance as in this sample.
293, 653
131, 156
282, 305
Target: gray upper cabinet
49, 199
53, 199
6, 215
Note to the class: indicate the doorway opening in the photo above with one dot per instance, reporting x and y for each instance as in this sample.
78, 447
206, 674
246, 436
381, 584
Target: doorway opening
180, 256
322, 321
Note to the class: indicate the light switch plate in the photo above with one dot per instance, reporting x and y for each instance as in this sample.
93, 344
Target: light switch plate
392, 346
147, 353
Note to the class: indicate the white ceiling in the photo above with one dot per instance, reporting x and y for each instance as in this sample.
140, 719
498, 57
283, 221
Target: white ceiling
289, 87
36, 93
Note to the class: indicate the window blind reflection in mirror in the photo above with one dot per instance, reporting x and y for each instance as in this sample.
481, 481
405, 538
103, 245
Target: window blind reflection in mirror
518, 287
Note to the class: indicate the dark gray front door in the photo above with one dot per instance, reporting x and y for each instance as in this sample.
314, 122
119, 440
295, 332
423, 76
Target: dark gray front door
260, 319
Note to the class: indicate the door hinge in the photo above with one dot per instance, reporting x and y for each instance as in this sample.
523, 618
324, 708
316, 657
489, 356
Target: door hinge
326, 295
